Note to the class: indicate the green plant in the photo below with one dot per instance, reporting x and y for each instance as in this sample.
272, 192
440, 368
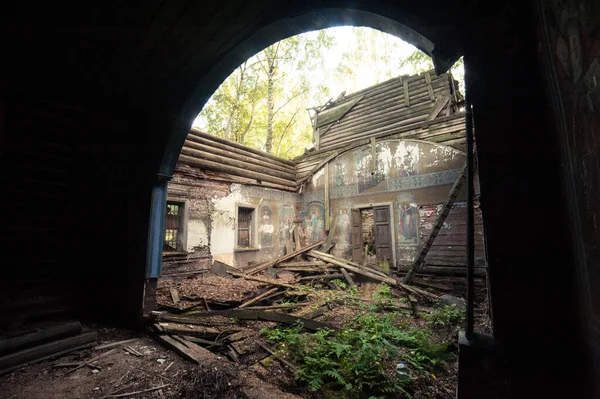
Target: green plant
340, 283
356, 360
383, 293
446, 315
353, 291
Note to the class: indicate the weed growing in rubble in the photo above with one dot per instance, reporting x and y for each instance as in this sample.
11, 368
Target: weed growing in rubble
359, 360
446, 315
340, 283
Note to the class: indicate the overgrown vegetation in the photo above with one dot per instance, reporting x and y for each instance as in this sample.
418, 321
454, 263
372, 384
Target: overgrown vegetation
359, 361
446, 315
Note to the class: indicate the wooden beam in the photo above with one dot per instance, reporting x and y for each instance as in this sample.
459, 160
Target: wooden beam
39, 337
234, 170
264, 266
437, 226
357, 270
327, 217
199, 133
406, 94
32, 355
258, 298
439, 104
262, 280
429, 87
373, 156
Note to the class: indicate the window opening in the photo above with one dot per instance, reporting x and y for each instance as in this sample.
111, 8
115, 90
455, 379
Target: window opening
244, 229
173, 233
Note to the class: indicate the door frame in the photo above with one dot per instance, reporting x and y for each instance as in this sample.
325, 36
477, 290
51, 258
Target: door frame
392, 223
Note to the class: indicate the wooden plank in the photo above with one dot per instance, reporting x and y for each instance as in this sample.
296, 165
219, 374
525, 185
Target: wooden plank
331, 257
314, 170
429, 87
406, 93
187, 350
258, 298
437, 108
357, 270
280, 358
31, 355
325, 277
262, 280
174, 295
8, 345
248, 314
264, 266
92, 360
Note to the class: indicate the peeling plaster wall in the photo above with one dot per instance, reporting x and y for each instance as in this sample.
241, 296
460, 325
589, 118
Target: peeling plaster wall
413, 177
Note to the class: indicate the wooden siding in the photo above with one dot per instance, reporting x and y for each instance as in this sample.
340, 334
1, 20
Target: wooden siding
383, 113
211, 157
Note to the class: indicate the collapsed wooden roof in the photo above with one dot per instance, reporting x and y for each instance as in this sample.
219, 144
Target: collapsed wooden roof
423, 107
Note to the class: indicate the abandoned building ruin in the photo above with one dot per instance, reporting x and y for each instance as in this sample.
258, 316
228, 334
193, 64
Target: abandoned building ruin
385, 161
96, 105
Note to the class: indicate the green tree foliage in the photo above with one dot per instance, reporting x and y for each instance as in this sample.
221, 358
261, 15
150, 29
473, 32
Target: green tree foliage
263, 103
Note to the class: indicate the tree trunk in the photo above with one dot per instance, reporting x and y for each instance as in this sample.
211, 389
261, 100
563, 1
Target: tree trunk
270, 107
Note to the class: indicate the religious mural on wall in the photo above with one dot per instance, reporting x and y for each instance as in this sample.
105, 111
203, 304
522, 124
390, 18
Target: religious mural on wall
286, 224
363, 166
313, 222
408, 220
340, 178
343, 244
266, 227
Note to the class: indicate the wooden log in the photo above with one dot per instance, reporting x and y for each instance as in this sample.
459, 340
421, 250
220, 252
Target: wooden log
323, 277
258, 298
28, 356
225, 177
271, 307
8, 345
247, 314
347, 276
418, 291
236, 171
357, 270
264, 266
308, 264
306, 269
220, 149
262, 280
199, 133
197, 340
367, 269
238, 164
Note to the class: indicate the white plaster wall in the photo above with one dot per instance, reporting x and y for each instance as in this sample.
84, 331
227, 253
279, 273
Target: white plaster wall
222, 237
197, 234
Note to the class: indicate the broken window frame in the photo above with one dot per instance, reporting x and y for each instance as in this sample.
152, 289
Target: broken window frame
252, 228
180, 231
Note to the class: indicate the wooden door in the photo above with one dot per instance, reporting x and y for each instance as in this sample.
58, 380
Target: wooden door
383, 234
357, 242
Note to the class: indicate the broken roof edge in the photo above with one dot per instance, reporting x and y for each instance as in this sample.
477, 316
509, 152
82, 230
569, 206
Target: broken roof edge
349, 97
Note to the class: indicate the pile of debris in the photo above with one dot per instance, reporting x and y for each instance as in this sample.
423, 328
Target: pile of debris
295, 289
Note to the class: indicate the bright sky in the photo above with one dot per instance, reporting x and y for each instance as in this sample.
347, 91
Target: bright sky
364, 71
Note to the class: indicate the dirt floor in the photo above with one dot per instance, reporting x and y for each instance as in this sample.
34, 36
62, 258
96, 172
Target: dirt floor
239, 366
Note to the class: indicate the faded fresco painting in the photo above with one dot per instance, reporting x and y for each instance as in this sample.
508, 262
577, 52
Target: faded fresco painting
343, 244
362, 169
340, 178
406, 158
313, 222
286, 224
266, 228
408, 220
